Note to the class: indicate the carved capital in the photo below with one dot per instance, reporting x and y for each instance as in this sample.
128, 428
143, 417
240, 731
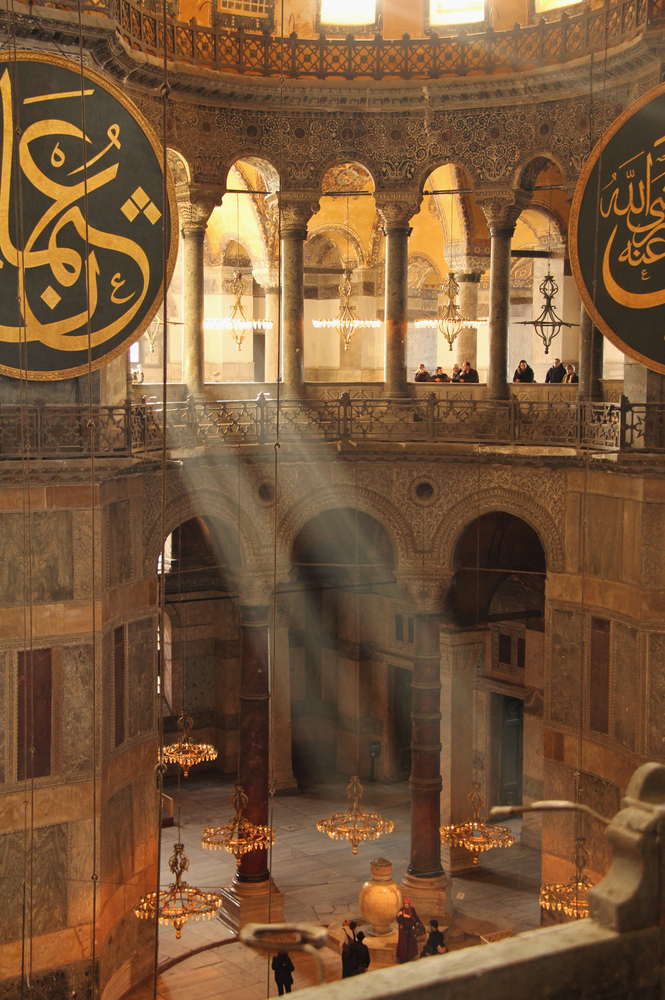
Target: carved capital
426, 588
397, 209
470, 266
503, 207
266, 275
297, 209
195, 205
255, 586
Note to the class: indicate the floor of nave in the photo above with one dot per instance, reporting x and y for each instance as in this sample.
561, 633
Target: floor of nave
320, 879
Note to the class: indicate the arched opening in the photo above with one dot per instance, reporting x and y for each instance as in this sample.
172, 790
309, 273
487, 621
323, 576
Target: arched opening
203, 637
499, 591
341, 705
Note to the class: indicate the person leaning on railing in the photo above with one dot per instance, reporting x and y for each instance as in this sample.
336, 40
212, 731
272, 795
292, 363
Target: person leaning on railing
524, 373
468, 374
422, 375
571, 376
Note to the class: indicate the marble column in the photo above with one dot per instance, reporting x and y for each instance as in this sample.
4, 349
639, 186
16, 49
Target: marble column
252, 895
591, 358
425, 880
502, 213
467, 275
296, 211
396, 214
460, 655
195, 207
268, 278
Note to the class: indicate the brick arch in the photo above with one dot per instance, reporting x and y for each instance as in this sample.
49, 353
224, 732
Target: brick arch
519, 505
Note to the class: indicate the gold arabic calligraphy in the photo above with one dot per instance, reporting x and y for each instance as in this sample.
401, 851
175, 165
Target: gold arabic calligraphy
65, 263
642, 211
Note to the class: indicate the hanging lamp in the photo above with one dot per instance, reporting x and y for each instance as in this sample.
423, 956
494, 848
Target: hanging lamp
180, 902
240, 835
450, 321
237, 322
570, 897
184, 751
346, 322
476, 835
355, 825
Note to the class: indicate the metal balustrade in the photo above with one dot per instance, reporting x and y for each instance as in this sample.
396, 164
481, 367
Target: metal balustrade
350, 58
56, 431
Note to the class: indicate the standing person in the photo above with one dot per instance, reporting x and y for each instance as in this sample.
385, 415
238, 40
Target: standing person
523, 373
434, 945
468, 374
283, 968
556, 373
363, 952
422, 375
407, 940
440, 376
457, 371
571, 375
349, 950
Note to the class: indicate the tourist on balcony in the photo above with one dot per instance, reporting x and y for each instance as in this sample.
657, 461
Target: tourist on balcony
524, 373
556, 373
422, 375
439, 376
457, 371
572, 378
468, 374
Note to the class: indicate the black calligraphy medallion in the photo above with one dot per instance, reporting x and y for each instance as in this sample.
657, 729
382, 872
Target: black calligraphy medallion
621, 192
76, 272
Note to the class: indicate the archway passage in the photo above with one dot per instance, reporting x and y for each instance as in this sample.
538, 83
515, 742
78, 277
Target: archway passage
343, 560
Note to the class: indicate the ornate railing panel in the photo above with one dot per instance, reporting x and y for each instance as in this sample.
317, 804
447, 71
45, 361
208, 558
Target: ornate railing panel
45, 431
378, 58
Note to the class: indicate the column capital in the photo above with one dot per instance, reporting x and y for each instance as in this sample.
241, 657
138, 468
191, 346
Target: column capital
255, 586
297, 208
266, 275
426, 588
502, 207
469, 267
397, 208
196, 205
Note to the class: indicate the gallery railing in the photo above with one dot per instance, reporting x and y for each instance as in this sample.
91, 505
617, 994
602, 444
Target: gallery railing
264, 54
51, 431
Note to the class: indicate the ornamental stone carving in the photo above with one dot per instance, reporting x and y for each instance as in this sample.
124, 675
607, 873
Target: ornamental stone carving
425, 586
296, 211
195, 206
502, 208
397, 210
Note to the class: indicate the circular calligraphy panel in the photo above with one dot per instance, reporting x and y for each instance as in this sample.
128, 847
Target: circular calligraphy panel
76, 273
622, 191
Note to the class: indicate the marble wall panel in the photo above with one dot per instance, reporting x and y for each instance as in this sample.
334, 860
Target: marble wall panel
49, 881
107, 693
605, 519
52, 557
141, 657
626, 684
567, 652
12, 861
656, 698
82, 541
3, 701
605, 798
77, 721
118, 836
653, 545
200, 683
119, 543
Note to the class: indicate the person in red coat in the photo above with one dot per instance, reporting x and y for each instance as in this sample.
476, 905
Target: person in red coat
407, 942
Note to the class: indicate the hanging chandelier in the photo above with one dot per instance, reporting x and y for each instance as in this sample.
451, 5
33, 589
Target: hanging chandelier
346, 322
238, 323
240, 835
355, 825
570, 897
153, 329
185, 752
476, 835
450, 321
180, 902
547, 325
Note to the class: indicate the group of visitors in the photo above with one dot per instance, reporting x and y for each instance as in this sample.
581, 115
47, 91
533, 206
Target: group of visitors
464, 374
523, 373
555, 375
355, 953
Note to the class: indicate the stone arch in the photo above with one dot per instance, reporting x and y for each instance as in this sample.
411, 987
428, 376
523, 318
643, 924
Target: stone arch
333, 227
204, 502
511, 502
531, 164
429, 166
341, 161
329, 497
248, 153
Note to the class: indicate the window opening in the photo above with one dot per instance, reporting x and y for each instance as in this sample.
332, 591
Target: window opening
348, 11
442, 12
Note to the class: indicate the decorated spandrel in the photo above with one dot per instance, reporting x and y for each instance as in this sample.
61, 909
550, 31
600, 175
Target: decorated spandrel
64, 283
627, 202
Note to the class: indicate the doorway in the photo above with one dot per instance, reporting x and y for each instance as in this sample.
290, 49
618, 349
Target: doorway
507, 732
